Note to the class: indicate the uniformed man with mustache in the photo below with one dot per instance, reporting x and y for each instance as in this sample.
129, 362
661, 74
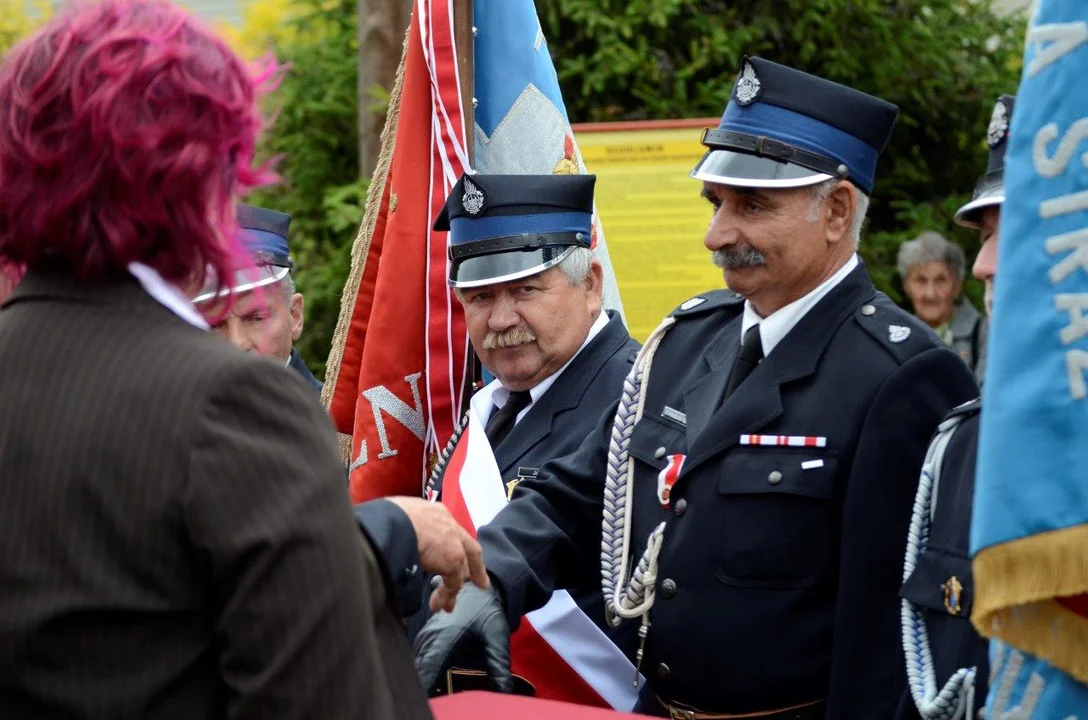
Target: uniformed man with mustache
522, 267
750, 490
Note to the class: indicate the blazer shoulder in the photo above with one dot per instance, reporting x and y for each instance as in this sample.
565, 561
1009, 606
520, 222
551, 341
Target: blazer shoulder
897, 332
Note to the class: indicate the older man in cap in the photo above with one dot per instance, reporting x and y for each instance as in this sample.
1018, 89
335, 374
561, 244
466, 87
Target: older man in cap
267, 317
759, 468
947, 660
522, 267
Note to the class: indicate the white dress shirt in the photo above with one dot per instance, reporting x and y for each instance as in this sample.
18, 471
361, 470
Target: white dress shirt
778, 324
167, 295
495, 395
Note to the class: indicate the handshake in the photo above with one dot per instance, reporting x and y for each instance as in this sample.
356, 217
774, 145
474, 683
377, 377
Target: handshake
469, 619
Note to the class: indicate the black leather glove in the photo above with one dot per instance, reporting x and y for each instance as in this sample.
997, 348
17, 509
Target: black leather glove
477, 626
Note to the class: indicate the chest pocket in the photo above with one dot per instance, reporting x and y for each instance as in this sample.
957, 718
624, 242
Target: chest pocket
777, 517
655, 438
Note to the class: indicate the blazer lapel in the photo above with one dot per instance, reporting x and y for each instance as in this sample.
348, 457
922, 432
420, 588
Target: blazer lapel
754, 404
703, 397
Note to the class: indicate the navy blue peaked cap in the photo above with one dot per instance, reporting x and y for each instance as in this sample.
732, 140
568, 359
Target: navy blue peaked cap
786, 128
990, 188
264, 231
264, 235
506, 227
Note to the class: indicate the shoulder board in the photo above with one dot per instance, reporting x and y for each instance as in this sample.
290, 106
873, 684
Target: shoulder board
707, 302
897, 331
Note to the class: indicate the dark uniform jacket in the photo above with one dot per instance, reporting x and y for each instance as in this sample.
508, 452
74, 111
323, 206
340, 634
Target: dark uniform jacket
177, 541
296, 363
556, 425
953, 641
777, 585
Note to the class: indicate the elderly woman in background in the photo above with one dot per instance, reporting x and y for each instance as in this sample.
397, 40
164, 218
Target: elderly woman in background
932, 269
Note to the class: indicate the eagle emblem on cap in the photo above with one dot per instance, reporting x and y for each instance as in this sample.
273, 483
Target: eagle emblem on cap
999, 125
473, 199
748, 84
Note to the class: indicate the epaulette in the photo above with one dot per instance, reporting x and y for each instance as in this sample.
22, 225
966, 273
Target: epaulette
706, 303
902, 335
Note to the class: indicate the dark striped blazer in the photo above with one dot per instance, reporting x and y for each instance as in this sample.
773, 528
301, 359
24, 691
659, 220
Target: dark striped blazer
176, 539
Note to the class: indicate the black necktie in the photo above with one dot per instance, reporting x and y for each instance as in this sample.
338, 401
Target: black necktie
502, 419
751, 352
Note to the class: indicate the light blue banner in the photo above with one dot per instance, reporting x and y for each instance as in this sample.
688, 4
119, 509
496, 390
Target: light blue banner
1033, 451
1026, 688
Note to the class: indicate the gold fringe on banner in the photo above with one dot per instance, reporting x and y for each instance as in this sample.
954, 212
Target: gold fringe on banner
361, 247
1016, 584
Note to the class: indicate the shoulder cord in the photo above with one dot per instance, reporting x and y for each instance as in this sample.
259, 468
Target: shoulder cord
623, 599
956, 699
443, 460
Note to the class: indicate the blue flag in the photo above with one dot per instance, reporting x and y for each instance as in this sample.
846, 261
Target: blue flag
1029, 532
521, 120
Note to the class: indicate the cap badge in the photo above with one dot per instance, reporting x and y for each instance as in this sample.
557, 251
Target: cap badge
748, 85
999, 125
473, 199
898, 333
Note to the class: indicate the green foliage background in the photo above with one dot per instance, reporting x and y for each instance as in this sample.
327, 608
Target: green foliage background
943, 62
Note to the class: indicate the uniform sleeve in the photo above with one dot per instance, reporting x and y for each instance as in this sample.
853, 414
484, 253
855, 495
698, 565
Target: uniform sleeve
297, 596
552, 522
391, 535
868, 674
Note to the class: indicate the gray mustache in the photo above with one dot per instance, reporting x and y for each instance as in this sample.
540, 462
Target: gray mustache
733, 258
508, 338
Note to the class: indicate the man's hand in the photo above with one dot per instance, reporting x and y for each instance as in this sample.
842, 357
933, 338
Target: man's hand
444, 549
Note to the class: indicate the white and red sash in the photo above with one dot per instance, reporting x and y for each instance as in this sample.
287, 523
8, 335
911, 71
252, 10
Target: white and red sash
557, 648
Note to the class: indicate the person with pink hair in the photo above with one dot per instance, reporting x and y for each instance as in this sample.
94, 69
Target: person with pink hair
9, 278
177, 538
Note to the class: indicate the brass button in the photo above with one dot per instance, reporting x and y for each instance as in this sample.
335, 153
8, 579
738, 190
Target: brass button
660, 453
681, 506
668, 587
774, 478
663, 671
868, 310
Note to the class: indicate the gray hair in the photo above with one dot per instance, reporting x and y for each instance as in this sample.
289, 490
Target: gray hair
577, 264
931, 247
821, 191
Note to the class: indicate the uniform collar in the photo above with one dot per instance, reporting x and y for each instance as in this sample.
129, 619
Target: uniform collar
778, 324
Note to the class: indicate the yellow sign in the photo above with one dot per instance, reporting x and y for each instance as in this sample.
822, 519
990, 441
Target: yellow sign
653, 217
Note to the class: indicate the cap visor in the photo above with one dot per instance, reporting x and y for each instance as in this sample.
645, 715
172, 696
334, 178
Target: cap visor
970, 215
505, 266
244, 280
740, 169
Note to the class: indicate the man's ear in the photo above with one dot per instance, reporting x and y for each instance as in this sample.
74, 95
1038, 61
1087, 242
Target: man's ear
594, 286
296, 306
839, 210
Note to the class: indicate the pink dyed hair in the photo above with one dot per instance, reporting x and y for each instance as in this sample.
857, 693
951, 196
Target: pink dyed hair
126, 131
